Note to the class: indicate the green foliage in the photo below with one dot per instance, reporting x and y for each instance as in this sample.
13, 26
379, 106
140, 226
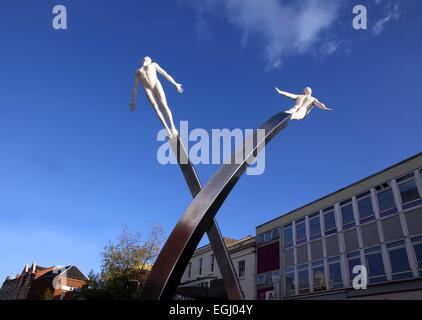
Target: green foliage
125, 266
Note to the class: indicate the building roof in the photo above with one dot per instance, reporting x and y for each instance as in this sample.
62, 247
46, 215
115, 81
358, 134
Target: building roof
43, 271
362, 185
71, 272
26, 270
230, 243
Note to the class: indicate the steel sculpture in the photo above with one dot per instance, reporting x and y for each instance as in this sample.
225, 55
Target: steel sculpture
198, 218
230, 279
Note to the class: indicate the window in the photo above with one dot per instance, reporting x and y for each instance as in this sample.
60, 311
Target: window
375, 264
266, 278
418, 252
303, 277
268, 236
289, 282
189, 269
366, 212
260, 280
334, 273
417, 246
273, 274
315, 226
347, 215
399, 261
330, 221
200, 266
386, 200
212, 263
242, 268
409, 191
353, 260
318, 275
300, 232
288, 236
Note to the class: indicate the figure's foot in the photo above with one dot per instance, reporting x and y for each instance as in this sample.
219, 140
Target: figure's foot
174, 133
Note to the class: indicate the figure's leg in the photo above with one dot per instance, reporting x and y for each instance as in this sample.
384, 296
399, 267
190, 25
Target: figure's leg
300, 114
159, 93
154, 104
293, 110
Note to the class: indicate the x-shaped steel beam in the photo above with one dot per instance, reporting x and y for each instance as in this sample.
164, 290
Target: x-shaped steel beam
199, 218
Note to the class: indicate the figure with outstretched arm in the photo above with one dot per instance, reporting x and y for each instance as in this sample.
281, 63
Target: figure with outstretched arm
304, 103
147, 76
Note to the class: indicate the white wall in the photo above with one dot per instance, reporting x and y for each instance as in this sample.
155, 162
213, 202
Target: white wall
248, 282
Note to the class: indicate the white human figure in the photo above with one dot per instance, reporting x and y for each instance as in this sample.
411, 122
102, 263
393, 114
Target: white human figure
147, 76
304, 103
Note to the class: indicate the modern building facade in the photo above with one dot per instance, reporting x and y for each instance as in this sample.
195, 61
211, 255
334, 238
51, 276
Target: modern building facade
311, 252
37, 283
203, 270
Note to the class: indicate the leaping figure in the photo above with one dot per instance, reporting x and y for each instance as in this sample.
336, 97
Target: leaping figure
304, 103
153, 89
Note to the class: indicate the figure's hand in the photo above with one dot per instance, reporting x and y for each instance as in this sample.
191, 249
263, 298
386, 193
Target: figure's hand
278, 90
132, 105
326, 108
179, 88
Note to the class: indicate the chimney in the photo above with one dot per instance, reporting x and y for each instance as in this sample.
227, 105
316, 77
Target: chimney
33, 267
26, 269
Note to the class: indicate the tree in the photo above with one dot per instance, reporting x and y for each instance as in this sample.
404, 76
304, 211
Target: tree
125, 266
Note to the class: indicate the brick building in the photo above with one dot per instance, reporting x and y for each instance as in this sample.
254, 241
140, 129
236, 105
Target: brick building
36, 283
61, 283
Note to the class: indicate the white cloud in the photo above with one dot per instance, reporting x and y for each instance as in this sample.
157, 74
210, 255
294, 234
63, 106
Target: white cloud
393, 14
286, 27
329, 47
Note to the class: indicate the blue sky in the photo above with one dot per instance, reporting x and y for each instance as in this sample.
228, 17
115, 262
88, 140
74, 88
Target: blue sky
76, 164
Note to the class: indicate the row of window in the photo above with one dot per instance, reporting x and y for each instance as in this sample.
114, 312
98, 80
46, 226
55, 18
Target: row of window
317, 269
200, 266
409, 195
329, 276
267, 236
267, 277
241, 267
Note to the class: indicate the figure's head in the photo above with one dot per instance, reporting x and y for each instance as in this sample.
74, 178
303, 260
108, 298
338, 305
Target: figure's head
307, 91
147, 61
